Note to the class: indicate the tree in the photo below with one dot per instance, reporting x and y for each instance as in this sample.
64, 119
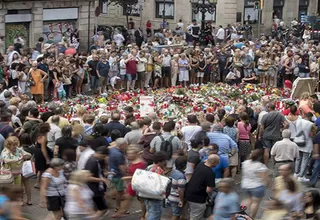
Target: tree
127, 5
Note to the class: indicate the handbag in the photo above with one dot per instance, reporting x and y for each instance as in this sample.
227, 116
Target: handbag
30, 82
6, 176
28, 169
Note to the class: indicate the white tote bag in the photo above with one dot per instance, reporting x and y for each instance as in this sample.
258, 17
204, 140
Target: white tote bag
28, 169
149, 184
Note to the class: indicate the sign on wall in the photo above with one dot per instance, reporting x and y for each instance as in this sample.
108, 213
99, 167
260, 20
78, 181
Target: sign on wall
54, 31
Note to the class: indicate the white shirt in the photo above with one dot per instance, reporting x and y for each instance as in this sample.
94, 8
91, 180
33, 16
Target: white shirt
72, 206
166, 61
221, 34
60, 88
189, 133
123, 69
180, 25
53, 135
141, 66
83, 157
285, 150
251, 171
306, 127
118, 38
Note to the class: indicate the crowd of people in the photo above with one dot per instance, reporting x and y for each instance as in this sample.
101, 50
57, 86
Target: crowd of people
91, 154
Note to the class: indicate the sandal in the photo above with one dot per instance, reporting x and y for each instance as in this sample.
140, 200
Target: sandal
36, 187
28, 203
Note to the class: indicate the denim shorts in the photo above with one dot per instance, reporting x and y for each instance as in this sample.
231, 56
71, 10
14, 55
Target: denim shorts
154, 208
268, 144
131, 77
256, 192
176, 210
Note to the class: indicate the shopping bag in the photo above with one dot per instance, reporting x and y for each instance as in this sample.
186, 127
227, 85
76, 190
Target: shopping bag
6, 176
28, 169
149, 184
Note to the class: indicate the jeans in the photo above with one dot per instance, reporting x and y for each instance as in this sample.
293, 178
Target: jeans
154, 209
304, 75
315, 173
94, 82
302, 163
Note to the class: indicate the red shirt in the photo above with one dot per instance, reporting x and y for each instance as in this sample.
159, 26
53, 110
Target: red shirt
131, 67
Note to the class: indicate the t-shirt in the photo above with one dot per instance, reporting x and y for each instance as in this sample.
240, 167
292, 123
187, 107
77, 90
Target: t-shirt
178, 182
219, 169
93, 65
193, 157
202, 178
103, 68
116, 159
66, 143
5, 129
131, 66
250, 174
94, 167
115, 125
272, 124
98, 142
226, 205
189, 133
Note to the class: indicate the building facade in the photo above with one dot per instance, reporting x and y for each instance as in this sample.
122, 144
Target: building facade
227, 12
47, 18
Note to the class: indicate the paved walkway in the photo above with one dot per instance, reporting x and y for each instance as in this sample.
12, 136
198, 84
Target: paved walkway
35, 212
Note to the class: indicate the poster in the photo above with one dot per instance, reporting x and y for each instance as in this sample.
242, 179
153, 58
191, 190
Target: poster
146, 105
253, 13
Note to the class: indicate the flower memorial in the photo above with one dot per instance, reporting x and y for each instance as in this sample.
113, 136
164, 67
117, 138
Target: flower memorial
175, 102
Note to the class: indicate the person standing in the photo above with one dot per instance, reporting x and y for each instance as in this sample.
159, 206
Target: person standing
38, 76
194, 31
201, 183
138, 34
220, 35
269, 133
148, 28
94, 78
131, 70
103, 68
166, 68
284, 152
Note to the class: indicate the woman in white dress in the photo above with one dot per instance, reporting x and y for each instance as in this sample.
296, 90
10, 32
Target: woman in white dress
23, 78
183, 69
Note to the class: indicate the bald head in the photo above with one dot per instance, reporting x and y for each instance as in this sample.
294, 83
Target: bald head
213, 160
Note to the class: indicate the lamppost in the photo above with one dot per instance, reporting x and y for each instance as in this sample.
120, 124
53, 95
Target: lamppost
203, 6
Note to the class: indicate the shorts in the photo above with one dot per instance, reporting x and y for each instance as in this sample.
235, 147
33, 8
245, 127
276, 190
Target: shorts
118, 184
176, 210
166, 71
100, 202
142, 76
131, 77
103, 81
197, 210
183, 75
268, 144
256, 192
154, 208
55, 203
200, 74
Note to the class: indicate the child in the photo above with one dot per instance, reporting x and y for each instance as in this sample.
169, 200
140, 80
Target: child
61, 92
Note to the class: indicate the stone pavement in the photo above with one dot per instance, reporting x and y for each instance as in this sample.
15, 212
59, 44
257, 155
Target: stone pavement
35, 212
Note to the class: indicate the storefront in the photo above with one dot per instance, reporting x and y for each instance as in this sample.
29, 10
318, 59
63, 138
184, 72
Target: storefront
59, 22
17, 24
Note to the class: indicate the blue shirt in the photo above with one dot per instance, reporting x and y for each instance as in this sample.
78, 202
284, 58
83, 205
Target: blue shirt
224, 142
226, 205
218, 170
116, 159
103, 68
3, 201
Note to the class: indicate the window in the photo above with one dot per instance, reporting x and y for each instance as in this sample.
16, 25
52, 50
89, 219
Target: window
278, 8
166, 6
134, 10
103, 6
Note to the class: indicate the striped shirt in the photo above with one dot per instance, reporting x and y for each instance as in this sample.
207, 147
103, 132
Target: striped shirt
178, 183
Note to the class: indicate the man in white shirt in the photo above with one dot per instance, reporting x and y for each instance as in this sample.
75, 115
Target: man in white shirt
54, 133
190, 131
84, 152
284, 151
220, 35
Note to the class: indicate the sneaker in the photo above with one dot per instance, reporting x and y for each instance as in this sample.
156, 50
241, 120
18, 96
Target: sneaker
295, 175
303, 179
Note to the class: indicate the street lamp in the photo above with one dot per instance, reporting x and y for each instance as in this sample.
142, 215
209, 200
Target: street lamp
203, 6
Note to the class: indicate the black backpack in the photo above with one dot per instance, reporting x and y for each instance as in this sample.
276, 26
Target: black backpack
166, 145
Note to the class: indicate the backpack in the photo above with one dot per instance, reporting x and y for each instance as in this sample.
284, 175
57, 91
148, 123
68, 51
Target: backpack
166, 145
34, 131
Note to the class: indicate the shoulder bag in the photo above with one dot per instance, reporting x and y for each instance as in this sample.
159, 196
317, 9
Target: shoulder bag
6, 176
